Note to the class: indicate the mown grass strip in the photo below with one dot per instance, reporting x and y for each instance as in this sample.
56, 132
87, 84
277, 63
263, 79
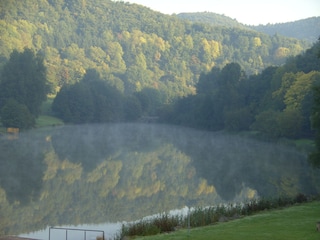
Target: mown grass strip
296, 222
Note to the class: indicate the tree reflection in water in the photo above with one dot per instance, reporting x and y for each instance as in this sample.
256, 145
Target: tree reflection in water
82, 174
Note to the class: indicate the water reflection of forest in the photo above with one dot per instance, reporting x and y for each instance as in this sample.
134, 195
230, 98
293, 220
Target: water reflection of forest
100, 173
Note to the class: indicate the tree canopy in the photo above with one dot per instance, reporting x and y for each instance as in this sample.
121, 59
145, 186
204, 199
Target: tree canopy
23, 86
90, 100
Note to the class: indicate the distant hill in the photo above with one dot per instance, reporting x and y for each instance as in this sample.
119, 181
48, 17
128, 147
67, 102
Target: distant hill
305, 29
212, 18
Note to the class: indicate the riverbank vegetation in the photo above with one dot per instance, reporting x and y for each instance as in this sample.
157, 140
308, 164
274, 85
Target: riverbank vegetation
298, 212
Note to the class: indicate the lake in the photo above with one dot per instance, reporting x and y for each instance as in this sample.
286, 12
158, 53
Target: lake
88, 175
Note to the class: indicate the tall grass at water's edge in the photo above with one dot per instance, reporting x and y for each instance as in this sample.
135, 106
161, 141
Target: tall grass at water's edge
205, 216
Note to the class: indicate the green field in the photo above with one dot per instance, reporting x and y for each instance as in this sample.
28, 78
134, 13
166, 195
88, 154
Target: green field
297, 222
45, 121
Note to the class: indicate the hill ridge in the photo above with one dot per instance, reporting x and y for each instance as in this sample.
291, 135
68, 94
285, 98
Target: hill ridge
307, 29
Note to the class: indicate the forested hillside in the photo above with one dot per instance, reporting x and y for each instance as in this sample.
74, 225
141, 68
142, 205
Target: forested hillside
278, 102
212, 19
304, 29
132, 47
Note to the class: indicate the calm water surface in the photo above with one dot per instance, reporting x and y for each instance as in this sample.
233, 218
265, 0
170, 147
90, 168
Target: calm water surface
89, 175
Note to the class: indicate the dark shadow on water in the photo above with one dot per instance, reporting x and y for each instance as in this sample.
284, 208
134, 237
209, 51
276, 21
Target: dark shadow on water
21, 168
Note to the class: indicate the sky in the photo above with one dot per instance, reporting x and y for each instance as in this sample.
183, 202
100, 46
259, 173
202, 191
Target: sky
250, 12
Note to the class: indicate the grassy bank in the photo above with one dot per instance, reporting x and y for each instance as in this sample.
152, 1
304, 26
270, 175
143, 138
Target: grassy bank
295, 222
45, 121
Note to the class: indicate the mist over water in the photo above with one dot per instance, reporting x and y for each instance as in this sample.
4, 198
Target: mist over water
92, 174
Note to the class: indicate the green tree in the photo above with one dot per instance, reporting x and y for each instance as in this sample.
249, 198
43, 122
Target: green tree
74, 104
267, 123
150, 100
90, 100
23, 79
16, 115
230, 77
208, 82
132, 108
314, 157
290, 123
238, 119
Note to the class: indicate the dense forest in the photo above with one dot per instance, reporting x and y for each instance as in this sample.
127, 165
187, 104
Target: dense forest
132, 47
305, 29
212, 19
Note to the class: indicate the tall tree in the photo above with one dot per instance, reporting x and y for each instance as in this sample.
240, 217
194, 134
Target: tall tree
14, 114
23, 79
314, 157
90, 100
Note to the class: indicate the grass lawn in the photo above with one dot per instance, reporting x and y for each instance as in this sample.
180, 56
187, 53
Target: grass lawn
44, 120
297, 222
